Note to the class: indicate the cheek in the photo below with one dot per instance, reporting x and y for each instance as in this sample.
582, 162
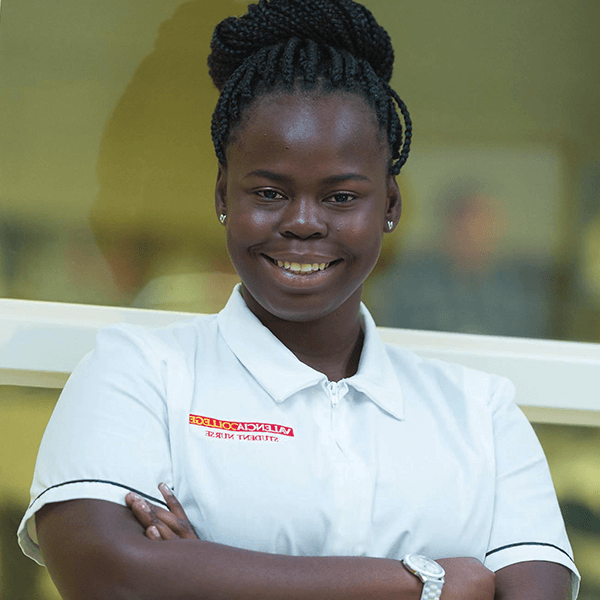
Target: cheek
367, 226
259, 221
366, 240
246, 217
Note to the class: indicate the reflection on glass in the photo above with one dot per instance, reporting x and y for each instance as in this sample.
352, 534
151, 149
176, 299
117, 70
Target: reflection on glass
140, 229
588, 271
154, 216
24, 414
107, 169
466, 280
572, 454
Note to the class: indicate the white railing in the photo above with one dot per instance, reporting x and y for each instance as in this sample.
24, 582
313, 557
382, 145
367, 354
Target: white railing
559, 382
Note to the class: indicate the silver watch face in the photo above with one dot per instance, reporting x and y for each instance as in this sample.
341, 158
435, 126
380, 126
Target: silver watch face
424, 565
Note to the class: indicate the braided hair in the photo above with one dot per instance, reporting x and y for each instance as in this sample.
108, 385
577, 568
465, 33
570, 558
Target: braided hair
305, 45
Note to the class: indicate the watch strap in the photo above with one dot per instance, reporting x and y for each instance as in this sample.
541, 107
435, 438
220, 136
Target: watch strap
432, 589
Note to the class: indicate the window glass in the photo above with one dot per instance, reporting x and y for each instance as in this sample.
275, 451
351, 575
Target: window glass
107, 163
107, 175
107, 169
25, 413
572, 454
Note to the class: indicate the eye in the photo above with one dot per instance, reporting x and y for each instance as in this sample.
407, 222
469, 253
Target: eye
341, 198
269, 194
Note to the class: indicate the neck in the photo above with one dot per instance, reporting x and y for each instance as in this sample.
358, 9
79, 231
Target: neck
331, 344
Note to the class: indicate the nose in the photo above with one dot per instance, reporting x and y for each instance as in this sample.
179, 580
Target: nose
304, 218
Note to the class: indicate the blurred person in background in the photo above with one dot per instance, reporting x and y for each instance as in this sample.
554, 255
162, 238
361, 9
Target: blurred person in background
589, 278
465, 285
153, 218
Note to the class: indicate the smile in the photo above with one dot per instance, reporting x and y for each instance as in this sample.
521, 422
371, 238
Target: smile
300, 268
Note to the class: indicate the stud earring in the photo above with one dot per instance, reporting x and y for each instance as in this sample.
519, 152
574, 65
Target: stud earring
390, 225
222, 219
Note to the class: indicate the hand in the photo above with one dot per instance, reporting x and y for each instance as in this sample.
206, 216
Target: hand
467, 579
158, 523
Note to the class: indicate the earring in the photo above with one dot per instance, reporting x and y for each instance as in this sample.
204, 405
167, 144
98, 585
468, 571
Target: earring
222, 219
390, 225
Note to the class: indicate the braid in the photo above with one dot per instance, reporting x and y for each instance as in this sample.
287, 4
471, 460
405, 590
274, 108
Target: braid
302, 45
403, 157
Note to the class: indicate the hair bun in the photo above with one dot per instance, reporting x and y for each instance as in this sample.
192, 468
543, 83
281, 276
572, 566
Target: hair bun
343, 24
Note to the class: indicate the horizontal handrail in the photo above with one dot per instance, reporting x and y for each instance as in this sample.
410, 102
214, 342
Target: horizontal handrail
557, 381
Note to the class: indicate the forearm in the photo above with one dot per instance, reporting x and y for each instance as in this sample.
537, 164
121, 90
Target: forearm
96, 549
195, 569
309, 577
199, 570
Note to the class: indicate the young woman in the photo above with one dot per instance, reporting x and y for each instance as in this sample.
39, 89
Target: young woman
306, 458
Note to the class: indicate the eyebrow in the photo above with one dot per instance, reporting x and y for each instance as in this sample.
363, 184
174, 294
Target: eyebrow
328, 180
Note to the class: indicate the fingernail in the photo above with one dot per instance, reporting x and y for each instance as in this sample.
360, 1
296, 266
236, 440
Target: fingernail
163, 486
153, 531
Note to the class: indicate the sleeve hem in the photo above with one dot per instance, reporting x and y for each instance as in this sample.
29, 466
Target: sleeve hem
69, 490
532, 551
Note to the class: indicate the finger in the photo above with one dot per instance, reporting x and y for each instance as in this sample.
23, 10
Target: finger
141, 511
130, 498
149, 516
177, 519
172, 502
153, 533
164, 532
180, 527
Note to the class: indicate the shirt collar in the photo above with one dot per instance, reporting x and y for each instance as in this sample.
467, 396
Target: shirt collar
376, 376
281, 374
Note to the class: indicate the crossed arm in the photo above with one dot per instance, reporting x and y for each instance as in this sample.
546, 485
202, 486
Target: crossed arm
100, 550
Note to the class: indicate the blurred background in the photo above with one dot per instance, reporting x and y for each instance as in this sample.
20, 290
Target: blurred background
107, 175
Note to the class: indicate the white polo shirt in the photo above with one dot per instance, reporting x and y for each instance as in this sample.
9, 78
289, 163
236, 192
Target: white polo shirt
264, 453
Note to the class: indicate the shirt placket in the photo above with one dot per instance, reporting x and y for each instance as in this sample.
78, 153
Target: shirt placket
352, 480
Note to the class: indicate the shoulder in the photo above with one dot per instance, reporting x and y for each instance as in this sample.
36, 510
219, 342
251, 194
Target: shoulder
127, 343
448, 382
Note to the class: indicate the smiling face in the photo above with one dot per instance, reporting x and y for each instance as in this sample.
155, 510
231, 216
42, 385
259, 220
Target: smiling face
307, 195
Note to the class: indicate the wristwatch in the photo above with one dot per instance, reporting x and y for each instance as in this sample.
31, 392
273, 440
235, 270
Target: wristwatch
429, 572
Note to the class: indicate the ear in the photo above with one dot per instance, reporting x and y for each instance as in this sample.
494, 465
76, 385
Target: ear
394, 203
221, 191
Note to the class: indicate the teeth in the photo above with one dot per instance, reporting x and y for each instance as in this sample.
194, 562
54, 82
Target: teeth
302, 267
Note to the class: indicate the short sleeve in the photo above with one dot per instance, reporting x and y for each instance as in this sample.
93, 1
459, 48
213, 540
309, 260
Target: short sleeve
108, 434
527, 522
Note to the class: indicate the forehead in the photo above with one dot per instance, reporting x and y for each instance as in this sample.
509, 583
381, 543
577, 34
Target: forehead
330, 127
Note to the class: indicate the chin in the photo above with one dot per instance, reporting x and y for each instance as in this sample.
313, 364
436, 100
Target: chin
299, 308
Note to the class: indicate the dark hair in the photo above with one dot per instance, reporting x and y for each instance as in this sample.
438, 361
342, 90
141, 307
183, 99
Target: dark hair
306, 45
